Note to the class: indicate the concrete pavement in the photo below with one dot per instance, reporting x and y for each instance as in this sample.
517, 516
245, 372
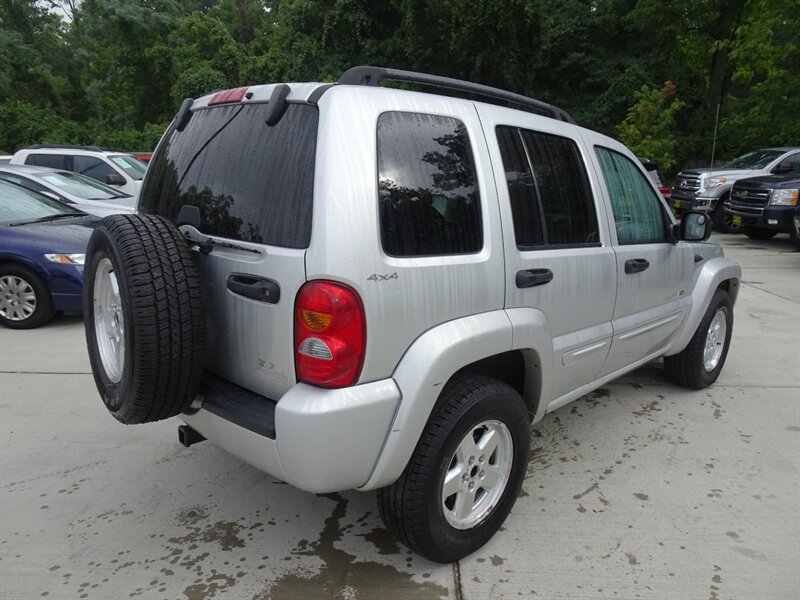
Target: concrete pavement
639, 490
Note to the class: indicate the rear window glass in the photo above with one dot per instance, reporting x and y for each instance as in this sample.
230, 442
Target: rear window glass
251, 182
429, 200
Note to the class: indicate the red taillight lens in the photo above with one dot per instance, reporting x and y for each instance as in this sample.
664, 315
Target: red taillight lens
228, 96
329, 334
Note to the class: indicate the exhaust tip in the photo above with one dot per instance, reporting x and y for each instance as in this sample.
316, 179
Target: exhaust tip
188, 436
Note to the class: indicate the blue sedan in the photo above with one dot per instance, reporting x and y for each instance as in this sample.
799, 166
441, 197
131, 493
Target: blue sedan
42, 247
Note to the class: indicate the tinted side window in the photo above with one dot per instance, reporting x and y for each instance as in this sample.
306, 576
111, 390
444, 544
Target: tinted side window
53, 161
92, 167
251, 182
428, 187
638, 212
790, 164
551, 201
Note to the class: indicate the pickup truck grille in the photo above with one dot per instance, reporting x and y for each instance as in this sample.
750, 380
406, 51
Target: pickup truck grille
748, 201
687, 182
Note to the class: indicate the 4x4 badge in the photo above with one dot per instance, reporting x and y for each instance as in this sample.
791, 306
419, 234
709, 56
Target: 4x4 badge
381, 277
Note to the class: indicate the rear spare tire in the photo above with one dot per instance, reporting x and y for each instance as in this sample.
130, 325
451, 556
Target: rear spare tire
143, 312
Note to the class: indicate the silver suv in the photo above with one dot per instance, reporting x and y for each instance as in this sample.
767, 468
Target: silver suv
352, 286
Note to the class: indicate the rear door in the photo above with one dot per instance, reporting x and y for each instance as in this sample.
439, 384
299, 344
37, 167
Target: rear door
654, 274
558, 257
252, 187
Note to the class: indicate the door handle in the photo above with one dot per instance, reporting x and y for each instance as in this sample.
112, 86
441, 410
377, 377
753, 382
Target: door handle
635, 265
533, 277
256, 288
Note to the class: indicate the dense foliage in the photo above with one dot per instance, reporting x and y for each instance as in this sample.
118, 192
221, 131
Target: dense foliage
651, 72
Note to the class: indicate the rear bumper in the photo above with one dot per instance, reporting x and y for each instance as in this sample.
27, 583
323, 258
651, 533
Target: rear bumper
318, 440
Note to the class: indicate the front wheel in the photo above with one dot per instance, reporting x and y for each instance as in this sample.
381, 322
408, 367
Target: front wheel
25, 301
722, 220
701, 362
465, 474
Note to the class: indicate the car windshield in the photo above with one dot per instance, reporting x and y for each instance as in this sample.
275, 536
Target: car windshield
80, 186
130, 164
20, 205
754, 160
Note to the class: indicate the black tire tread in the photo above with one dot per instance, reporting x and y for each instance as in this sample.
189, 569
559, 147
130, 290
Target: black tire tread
685, 368
402, 505
167, 334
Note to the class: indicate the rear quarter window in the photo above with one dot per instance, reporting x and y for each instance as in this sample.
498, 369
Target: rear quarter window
251, 182
428, 188
52, 161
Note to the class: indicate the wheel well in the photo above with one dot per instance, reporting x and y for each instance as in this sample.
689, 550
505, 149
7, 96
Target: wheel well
519, 369
731, 286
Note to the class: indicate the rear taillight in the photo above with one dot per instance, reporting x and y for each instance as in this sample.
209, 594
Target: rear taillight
329, 334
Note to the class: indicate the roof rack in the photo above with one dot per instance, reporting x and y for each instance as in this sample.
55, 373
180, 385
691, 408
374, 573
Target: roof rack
372, 75
68, 147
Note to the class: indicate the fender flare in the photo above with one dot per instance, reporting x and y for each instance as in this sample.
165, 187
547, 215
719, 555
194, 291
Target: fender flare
712, 275
422, 373
426, 367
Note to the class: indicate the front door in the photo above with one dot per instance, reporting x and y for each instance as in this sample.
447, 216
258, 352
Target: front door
654, 272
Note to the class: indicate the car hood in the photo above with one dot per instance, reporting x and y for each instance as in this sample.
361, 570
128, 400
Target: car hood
729, 174
68, 235
773, 182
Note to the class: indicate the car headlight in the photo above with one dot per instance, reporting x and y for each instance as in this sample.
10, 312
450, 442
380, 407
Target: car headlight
784, 197
66, 259
713, 182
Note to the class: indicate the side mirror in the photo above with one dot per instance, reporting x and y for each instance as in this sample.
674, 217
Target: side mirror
695, 226
115, 179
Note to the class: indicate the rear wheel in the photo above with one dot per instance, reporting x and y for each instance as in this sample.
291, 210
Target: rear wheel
465, 474
755, 233
25, 301
701, 362
143, 316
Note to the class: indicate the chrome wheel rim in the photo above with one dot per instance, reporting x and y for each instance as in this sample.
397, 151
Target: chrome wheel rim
477, 474
17, 298
715, 341
109, 324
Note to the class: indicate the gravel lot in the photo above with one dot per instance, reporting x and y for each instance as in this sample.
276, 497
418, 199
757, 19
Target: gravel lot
639, 490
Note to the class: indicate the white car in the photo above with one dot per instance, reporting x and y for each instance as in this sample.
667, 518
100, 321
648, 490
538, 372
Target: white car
82, 192
122, 171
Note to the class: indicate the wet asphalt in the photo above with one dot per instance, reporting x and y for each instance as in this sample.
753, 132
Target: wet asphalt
639, 490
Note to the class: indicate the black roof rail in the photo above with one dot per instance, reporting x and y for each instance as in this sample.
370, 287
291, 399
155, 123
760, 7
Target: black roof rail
68, 147
365, 75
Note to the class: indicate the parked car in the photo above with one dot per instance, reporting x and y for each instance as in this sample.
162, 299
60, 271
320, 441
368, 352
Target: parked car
655, 176
355, 286
709, 189
42, 249
764, 206
4, 159
85, 193
117, 169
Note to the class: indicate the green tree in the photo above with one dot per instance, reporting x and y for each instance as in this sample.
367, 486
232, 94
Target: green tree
649, 128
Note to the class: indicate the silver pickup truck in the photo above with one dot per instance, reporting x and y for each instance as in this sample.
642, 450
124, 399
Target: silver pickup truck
709, 189
353, 286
